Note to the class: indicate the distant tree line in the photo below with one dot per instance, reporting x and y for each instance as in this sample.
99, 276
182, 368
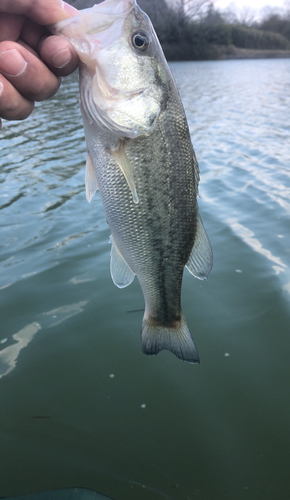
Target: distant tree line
195, 30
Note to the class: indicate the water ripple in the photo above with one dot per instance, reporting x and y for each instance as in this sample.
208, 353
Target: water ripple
54, 278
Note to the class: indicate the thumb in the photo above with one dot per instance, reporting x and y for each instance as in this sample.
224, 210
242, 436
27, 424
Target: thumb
40, 11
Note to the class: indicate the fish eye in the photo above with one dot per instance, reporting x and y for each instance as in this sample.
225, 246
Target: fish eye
140, 41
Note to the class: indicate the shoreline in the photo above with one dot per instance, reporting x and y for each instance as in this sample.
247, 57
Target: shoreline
223, 53
232, 52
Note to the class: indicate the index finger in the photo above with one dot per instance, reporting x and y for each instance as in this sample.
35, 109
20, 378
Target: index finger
39, 11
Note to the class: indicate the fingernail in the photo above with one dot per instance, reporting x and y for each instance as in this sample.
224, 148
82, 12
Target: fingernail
69, 9
12, 63
61, 58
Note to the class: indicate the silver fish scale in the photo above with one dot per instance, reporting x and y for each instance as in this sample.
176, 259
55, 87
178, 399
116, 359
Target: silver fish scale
126, 90
156, 235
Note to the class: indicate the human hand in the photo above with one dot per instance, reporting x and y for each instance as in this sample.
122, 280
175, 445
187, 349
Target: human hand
31, 59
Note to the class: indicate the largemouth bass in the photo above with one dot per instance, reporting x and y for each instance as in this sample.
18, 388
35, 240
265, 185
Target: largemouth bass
141, 159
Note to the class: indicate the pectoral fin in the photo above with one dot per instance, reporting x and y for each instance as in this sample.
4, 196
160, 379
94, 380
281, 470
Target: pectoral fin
124, 163
122, 274
201, 258
90, 179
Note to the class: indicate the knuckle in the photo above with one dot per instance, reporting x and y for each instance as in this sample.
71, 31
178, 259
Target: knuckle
70, 67
12, 105
8, 45
37, 82
47, 87
9, 105
59, 55
17, 114
15, 111
25, 112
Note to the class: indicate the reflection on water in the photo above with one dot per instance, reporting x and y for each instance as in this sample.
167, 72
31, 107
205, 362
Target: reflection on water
79, 279
9, 355
248, 237
61, 314
158, 428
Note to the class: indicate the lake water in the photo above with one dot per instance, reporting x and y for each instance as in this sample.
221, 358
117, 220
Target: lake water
80, 404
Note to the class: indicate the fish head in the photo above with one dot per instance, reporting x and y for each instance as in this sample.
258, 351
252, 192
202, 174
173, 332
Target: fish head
123, 70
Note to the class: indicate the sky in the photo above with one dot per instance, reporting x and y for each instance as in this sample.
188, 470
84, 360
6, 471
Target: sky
252, 10
257, 9
255, 4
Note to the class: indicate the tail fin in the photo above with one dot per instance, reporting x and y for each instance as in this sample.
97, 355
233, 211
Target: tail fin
177, 340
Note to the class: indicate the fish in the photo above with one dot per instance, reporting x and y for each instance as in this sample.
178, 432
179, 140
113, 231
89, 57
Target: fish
141, 159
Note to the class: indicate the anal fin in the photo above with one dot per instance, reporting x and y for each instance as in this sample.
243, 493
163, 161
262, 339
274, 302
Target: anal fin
90, 179
200, 260
121, 272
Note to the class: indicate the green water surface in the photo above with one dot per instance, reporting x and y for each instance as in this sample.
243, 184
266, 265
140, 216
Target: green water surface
80, 404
